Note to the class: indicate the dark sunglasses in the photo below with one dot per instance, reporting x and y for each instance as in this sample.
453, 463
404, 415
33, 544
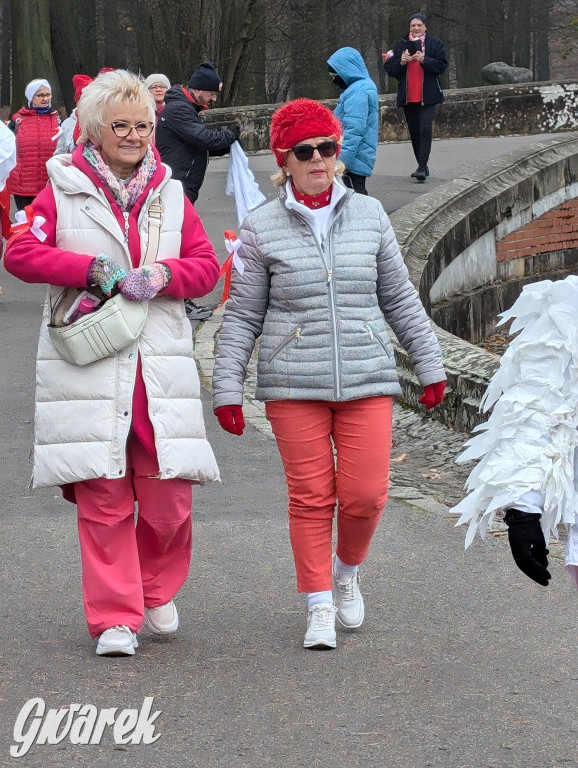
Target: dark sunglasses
122, 130
304, 152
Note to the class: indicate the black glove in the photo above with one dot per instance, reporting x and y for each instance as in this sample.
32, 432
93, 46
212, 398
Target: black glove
236, 129
528, 544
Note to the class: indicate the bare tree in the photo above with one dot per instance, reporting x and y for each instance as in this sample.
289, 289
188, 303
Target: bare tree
73, 36
31, 47
5, 95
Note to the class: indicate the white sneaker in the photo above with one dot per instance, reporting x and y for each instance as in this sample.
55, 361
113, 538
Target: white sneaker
320, 627
117, 641
348, 601
163, 620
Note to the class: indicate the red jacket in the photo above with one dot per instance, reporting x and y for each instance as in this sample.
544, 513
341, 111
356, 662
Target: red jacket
34, 146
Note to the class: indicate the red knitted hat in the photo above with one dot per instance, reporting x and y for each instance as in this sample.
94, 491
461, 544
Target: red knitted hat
79, 82
299, 120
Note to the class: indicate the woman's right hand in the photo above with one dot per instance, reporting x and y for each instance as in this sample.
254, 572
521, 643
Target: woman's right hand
231, 418
104, 273
405, 57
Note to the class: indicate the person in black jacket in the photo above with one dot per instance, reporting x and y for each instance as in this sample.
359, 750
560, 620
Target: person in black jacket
182, 139
417, 62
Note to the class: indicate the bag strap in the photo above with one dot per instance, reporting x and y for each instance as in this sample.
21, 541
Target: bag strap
154, 234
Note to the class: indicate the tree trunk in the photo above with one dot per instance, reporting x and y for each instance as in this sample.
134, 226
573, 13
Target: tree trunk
73, 34
5, 94
521, 23
542, 10
31, 48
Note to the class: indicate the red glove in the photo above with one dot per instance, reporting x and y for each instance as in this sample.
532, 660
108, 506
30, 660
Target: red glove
231, 418
433, 394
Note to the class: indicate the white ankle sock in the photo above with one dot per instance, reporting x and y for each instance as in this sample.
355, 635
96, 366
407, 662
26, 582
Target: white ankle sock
319, 598
342, 570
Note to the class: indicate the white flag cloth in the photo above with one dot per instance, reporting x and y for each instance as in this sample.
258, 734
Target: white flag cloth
7, 153
241, 183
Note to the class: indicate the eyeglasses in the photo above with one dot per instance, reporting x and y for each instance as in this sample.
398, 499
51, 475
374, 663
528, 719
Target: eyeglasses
304, 152
122, 130
158, 87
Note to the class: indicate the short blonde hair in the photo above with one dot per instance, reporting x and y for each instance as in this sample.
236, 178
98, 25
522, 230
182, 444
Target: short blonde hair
106, 90
279, 178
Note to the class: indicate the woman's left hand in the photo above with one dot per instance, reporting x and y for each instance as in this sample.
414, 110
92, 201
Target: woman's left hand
433, 394
143, 283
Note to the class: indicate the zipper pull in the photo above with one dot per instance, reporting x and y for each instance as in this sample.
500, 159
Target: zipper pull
369, 330
297, 333
329, 275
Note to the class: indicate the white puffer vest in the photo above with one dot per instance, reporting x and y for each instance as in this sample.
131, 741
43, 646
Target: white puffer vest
83, 414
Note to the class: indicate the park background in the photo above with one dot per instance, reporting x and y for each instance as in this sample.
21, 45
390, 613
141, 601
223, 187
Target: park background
269, 50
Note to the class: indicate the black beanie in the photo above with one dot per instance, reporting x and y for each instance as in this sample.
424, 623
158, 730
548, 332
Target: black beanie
205, 78
419, 16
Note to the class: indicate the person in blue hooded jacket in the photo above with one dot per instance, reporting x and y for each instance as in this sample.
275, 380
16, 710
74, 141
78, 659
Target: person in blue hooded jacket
358, 113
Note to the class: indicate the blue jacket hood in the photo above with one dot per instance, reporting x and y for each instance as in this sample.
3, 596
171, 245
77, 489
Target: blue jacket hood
348, 64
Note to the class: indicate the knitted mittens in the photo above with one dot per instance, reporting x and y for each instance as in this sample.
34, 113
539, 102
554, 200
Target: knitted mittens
143, 283
104, 273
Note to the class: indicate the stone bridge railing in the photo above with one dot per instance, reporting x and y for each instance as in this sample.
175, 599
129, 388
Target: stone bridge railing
495, 110
453, 241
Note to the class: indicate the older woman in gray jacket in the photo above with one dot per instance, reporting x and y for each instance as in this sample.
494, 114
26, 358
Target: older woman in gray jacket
322, 275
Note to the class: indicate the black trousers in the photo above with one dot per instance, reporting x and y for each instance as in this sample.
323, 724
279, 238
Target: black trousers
355, 181
419, 120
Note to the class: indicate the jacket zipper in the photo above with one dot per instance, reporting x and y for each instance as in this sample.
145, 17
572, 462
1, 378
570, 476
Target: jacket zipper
190, 168
331, 293
373, 335
330, 286
284, 343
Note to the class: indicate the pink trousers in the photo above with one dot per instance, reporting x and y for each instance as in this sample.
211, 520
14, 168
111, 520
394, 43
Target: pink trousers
334, 454
127, 567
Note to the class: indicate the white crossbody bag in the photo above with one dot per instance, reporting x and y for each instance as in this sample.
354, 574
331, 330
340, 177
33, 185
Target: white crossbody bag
114, 325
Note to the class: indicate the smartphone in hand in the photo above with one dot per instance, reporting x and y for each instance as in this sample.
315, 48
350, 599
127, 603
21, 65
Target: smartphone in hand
413, 46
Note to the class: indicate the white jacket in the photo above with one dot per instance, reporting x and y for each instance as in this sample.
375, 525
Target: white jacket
83, 414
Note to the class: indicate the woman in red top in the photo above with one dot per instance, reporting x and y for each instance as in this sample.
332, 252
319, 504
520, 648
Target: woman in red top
36, 127
417, 62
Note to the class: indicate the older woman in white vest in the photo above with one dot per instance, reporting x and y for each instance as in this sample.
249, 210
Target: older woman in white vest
129, 426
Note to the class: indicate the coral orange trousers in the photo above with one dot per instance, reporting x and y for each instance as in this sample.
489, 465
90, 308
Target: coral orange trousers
333, 454
125, 568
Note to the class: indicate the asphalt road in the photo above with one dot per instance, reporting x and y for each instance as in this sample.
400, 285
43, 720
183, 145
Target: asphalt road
462, 661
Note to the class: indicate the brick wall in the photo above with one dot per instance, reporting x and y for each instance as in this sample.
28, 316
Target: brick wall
555, 230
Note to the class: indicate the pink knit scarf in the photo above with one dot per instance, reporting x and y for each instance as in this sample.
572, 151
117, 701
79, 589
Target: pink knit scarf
125, 193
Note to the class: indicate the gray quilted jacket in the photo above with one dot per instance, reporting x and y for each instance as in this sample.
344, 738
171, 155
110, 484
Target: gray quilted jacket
321, 309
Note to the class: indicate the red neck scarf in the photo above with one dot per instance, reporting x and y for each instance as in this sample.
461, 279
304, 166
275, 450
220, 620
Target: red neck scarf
313, 201
191, 98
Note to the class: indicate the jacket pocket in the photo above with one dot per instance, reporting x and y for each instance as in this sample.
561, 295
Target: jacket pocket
374, 336
289, 339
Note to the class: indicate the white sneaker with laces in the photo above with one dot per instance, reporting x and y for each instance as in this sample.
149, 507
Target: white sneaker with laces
119, 640
163, 620
320, 627
348, 601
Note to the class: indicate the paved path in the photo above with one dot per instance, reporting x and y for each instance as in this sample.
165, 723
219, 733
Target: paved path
462, 662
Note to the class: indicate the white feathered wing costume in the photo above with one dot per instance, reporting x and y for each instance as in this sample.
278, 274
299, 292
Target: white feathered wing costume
529, 442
